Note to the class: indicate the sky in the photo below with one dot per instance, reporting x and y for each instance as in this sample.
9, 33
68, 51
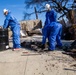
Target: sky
17, 8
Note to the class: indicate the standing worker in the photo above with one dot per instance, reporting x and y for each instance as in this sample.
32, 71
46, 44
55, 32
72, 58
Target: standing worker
15, 28
51, 30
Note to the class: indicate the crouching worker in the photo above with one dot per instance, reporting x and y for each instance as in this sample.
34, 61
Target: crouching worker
51, 30
15, 28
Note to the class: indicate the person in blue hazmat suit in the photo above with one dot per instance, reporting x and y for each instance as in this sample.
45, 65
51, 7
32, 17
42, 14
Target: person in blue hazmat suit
11, 22
51, 30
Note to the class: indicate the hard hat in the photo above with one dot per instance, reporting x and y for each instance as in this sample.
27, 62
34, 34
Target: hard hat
4, 10
47, 6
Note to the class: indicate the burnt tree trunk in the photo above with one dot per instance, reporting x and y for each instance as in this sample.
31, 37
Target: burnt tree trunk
36, 12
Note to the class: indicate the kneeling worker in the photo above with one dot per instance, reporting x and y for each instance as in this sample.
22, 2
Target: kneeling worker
51, 30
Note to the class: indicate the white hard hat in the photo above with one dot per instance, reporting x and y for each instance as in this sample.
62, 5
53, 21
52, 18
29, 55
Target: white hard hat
4, 10
47, 6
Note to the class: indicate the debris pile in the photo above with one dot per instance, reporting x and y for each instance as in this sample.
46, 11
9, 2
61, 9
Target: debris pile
31, 27
33, 43
70, 50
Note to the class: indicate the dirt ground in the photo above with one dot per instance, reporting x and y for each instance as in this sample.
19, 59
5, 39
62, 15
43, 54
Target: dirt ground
30, 62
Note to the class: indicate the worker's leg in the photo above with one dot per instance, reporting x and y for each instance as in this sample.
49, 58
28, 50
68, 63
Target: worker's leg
58, 37
16, 37
44, 34
53, 31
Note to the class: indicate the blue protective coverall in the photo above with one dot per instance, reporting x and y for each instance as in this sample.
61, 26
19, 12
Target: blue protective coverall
15, 28
52, 30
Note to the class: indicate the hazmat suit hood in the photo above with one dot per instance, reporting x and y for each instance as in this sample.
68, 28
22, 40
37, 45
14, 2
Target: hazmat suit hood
9, 12
47, 7
6, 12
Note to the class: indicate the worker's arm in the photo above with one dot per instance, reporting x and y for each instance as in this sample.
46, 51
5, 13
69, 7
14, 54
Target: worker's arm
6, 22
47, 21
54, 14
